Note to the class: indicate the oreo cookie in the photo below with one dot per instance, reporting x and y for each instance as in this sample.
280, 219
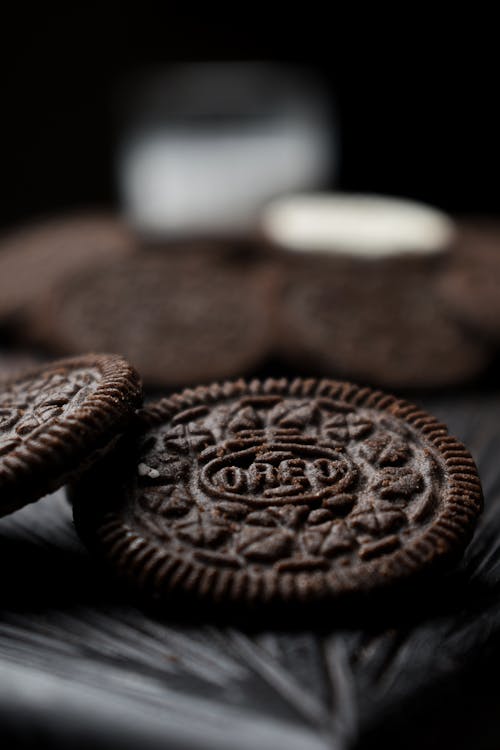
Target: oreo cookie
179, 317
56, 419
378, 322
469, 285
275, 491
34, 258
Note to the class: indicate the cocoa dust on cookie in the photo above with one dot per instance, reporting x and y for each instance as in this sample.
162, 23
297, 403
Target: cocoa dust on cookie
57, 418
276, 491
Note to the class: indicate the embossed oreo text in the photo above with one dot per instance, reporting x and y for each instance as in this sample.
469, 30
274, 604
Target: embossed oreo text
277, 473
288, 482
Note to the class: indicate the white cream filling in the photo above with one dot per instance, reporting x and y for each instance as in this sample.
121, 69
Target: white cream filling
361, 225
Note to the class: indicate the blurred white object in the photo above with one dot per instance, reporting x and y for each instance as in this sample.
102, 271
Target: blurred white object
207, 145
362, 225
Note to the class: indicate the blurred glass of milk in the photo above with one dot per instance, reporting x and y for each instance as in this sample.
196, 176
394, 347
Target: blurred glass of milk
204, 146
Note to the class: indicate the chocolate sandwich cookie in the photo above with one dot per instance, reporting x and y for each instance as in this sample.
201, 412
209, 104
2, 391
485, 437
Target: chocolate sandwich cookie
376, 321
34, 258
469, 285
180, 318
274, 491
56, 419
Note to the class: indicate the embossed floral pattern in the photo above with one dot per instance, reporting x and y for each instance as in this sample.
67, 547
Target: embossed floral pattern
27, 406
281, 481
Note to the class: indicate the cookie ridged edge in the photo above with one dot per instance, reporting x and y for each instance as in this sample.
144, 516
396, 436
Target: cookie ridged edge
44, 463
154, 570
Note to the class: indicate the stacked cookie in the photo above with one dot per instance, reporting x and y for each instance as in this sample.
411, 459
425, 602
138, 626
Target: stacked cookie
259, 492
361, 297
386, 292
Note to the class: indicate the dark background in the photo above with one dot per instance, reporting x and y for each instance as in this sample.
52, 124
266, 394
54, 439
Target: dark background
417, 99
419, 117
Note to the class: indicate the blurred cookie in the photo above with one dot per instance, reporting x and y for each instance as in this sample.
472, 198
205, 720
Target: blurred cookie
12, 362
180, 318
375, 321
34, 258
56, 418
279, 491
469, 284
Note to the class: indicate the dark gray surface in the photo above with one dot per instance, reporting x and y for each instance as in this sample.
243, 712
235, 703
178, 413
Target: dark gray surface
80, 665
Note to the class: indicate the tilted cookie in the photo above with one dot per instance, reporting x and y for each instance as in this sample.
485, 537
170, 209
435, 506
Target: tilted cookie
56, 418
